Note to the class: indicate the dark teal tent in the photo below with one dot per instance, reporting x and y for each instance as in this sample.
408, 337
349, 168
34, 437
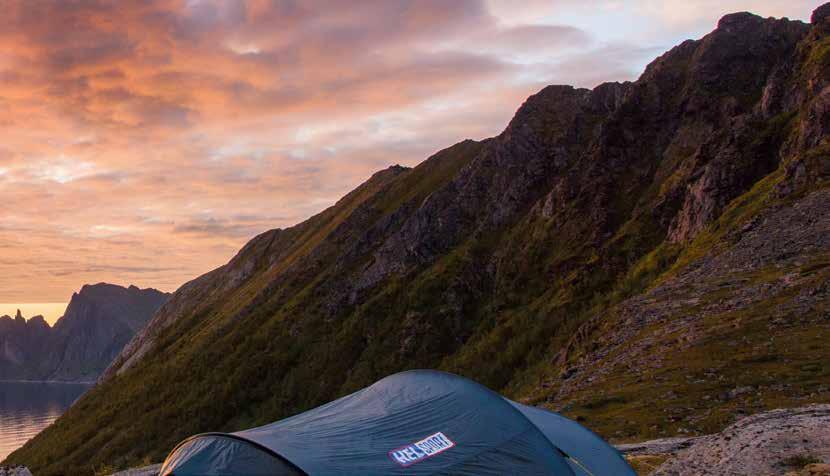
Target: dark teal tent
420, 422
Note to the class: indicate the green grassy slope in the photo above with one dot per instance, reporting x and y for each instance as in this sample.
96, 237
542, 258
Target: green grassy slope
707, 343
525, 262
208, 357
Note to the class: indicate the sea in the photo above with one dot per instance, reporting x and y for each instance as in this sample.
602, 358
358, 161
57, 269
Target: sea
26, 408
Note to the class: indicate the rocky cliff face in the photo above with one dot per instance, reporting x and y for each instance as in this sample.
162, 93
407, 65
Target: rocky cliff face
99, 320
20, 345
550, 262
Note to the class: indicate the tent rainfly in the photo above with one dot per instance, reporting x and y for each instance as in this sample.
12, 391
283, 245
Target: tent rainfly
420, 422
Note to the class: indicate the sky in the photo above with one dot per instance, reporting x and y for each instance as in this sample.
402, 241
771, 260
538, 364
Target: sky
144, 142
51, 311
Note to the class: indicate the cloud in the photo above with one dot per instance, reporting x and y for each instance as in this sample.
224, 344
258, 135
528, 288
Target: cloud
592, 67
705, 13
146, 140
213, 227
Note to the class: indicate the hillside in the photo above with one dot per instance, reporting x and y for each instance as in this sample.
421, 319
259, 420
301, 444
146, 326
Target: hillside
99, 320
648, 257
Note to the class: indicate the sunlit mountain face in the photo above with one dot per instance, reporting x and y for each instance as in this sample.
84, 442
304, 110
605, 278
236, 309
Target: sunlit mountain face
146, 141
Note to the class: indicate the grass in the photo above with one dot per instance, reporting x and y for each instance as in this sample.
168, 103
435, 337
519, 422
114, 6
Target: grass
800, 461
498, 306
289, 356
245, 338
691, 389
429, 176
818, 58
646, 464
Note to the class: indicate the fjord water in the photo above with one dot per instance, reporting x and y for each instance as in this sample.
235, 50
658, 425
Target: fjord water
26, 408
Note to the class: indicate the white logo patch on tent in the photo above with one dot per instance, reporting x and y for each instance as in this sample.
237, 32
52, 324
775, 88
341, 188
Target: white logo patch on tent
421, 450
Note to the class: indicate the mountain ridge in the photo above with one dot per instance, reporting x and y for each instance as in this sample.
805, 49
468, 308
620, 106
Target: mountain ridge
98, 321
507, 260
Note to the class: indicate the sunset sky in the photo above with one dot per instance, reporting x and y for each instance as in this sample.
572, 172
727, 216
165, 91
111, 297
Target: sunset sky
145, 142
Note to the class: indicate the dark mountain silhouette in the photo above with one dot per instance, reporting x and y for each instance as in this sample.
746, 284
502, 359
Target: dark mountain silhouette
99, 320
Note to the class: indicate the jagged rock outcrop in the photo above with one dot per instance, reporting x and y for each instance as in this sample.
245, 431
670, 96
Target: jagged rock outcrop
521, 259
15, 471
20, 345
99, 320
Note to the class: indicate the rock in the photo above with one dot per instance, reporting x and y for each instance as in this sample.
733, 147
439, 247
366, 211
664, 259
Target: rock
151, 470
737, 20
98, 322
767, 443
739, 391
15, 471
820, 14
660, 446
567, 373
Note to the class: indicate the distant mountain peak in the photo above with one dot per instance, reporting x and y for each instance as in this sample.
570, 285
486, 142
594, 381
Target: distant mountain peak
38, 321
738, 19
99, 320
102, 286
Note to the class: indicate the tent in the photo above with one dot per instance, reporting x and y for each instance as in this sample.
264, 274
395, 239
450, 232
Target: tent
419, 422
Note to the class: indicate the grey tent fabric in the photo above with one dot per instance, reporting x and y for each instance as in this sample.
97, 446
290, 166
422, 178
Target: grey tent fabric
420, 422
588, 453
215, 454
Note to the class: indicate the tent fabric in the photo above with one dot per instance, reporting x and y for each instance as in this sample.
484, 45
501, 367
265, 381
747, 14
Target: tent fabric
419, 422
215, 454
588, 453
